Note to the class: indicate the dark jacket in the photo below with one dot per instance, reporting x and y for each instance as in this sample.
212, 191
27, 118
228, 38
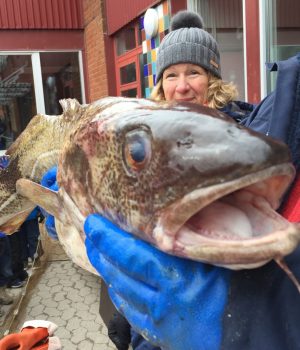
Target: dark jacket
263, 310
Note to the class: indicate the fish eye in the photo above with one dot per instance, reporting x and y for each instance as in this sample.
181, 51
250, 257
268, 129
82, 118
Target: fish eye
137, 150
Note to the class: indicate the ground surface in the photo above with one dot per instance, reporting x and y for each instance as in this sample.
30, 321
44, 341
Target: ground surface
63, 293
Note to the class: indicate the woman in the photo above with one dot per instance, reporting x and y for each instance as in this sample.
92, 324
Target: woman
203, 307
188, 70
188, 66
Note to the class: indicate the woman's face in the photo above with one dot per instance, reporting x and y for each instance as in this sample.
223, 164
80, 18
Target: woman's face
185, 82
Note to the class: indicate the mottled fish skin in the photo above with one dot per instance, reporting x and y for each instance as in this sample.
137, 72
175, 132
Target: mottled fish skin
192, 148
149, 167
34, 152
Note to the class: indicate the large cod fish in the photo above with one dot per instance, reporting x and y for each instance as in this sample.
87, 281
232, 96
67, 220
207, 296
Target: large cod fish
185, 178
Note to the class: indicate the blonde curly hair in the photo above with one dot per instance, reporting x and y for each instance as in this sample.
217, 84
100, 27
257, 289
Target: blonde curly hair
219, 92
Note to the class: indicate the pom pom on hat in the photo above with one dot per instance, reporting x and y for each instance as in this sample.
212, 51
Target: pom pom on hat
188, 42
186, 19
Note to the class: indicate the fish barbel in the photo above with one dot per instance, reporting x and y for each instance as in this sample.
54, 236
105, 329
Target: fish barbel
185, 178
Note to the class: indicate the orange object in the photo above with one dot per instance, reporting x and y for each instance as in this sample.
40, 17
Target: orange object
35, 335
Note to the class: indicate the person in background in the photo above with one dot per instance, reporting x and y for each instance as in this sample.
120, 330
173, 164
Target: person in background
13, 253
20, 275
30, 236
199, 306
2, 131
5, 271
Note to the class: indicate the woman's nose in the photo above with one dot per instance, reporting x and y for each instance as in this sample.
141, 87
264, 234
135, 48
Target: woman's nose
182, 85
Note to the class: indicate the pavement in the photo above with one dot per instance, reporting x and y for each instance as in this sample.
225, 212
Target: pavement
59, 291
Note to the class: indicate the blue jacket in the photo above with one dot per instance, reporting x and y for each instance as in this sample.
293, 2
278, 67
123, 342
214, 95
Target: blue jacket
263, 303
278, 114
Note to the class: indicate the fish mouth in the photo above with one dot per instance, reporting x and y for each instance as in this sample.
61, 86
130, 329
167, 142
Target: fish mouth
232, 224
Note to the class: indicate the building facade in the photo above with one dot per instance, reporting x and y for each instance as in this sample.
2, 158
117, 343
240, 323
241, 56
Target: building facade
41, 60
88, 49
249, 32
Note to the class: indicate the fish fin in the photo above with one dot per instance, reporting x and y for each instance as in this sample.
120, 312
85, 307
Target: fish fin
41, 196
13, 224
71, 108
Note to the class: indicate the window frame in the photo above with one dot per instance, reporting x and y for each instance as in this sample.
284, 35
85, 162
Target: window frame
131, 56
37, 74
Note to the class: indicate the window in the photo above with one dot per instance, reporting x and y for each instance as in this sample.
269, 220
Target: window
17, 97
224, 20
32, 83
127, 52
125, 40
61, 79
128, 73
282, 27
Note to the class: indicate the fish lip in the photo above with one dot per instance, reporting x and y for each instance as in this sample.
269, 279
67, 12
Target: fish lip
233, 253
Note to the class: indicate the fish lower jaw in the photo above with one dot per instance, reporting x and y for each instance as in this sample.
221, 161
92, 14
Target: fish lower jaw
231, 253
234, 225
243, 254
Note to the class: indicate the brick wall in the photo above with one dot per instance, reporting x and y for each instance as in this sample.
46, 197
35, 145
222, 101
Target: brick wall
96, 72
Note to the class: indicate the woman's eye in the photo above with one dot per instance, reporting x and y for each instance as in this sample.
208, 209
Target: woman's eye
194, 72
170, 75
137, 150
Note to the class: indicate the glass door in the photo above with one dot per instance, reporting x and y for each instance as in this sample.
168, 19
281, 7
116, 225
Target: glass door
61, 79
224, 20
127, 52
281, 23
128, 77
34, 82
17, 96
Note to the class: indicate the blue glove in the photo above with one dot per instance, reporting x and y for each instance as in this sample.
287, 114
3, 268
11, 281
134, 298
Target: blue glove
4, 161
175, 303
49, 181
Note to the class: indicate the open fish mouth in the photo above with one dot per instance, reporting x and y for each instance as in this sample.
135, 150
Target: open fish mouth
234, 224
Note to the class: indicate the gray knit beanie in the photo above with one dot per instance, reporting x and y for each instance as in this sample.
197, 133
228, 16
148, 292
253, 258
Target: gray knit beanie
187, 42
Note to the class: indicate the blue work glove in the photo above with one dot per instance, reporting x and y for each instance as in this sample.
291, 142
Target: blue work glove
49, 181
4, 161
175, 303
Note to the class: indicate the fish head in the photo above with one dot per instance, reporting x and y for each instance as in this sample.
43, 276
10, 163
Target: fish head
186, 178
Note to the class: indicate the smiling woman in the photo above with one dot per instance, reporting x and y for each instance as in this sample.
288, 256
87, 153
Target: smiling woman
188, 66
185, 83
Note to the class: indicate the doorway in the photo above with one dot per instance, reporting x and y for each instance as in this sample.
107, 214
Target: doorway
34, 82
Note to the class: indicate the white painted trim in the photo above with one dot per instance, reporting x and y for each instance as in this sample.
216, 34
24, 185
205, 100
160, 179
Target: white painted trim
262, 48
245, 52
38, 82
3, 52
16, 52
81, 72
